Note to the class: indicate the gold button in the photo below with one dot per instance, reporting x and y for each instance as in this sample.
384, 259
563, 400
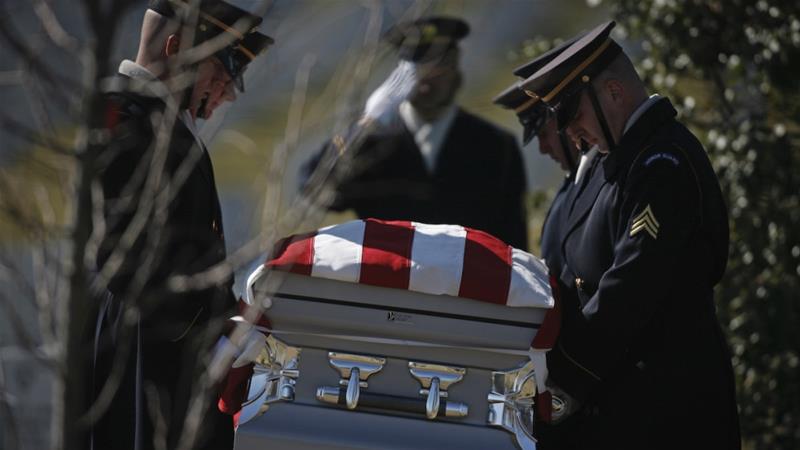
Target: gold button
579, 283
531, 94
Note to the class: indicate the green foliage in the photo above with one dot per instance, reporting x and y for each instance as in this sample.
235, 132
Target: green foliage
732, 68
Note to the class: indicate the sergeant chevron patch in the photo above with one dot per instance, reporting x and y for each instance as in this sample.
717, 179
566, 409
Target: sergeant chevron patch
646, 221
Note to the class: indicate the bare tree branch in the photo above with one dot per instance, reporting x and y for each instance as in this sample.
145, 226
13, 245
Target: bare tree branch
53, 27
76, 304
44, 295
17, 128
62, 292
14, 208
10, 273
59, 84
24, 338
7, 408
110, 387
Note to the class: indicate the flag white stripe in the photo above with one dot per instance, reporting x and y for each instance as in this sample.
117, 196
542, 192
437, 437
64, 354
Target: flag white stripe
337, 252
436, 265
530, 284
437, 259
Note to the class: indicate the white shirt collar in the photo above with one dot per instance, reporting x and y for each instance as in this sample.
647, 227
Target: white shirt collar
586, 161
144, 78
429, 136
150, 83
639, 111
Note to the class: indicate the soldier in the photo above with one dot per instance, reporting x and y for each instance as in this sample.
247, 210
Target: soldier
640, 353
163, 219
537, 120
426, 159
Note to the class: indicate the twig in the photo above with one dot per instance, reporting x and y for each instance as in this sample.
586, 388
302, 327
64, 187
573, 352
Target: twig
7, 408
24, 338
59, 84
51, 25
17, 128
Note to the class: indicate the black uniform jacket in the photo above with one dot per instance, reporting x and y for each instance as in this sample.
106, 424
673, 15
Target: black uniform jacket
554, 224
162, 218
645, 243
478, 180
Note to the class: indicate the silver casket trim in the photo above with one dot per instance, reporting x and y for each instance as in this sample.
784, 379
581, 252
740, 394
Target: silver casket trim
511, 400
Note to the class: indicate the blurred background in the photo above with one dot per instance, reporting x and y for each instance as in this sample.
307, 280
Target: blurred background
731, 68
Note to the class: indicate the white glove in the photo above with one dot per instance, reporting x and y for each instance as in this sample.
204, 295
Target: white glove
252, 344
226, 351
383, 102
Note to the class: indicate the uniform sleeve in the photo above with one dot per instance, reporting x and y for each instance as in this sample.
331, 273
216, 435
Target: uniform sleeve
321, 169
655, 214
326, 167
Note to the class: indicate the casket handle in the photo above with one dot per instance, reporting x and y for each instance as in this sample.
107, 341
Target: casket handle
353, 389
435, 379
432, 405
354, 371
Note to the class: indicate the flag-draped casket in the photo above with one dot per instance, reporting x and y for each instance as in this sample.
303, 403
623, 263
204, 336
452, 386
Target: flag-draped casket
390, 335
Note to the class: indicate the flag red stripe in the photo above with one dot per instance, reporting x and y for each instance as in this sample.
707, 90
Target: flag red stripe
386, 253
112, 115
234, 389
487, 268
544, 406
294, 254
548, 332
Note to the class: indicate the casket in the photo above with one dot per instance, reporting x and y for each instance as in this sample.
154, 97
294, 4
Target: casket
398, 335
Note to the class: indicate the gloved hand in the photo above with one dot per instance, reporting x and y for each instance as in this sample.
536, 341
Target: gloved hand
564, 405
236, 374
383, 102
250, 347
243, 353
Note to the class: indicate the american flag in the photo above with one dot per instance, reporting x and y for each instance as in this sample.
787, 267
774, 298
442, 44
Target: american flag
432, 259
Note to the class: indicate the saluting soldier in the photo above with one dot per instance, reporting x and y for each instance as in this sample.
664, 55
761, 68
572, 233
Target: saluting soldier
641, 353
163, 219
426, 159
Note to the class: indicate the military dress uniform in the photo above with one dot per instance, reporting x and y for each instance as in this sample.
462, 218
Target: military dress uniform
475, 178
645, 243
478, 180
186, 240
553, 226
555, 222
151, 336
533, 114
